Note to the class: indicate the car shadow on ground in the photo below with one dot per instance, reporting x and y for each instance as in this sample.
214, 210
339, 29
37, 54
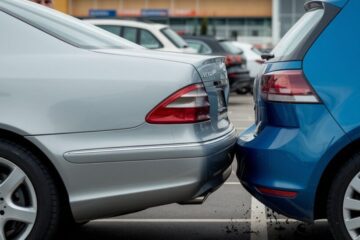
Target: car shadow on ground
299, 231
199, 231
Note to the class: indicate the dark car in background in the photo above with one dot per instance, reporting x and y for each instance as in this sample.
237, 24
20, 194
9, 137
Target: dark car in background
235, 60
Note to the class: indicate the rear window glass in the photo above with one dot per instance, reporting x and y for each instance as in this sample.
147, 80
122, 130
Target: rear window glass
298, 33
200, 47
174, 38
64, 27
229, 47
148, 40
130, 34
113, 29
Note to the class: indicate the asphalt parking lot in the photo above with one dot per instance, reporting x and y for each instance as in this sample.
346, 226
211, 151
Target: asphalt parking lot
230, 213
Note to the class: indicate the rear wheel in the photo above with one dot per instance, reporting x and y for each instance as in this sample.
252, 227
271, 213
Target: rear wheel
344, 201
243, 91
29, 206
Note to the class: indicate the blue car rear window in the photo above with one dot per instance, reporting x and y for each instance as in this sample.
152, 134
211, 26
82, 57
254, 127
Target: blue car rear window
298, 33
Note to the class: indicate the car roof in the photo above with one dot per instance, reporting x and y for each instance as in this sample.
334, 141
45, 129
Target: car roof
243, 44
212, 42
130, 23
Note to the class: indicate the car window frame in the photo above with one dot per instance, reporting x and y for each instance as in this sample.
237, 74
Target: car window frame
299, 53
157, 40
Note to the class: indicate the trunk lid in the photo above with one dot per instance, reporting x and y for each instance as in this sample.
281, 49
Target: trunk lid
214, 76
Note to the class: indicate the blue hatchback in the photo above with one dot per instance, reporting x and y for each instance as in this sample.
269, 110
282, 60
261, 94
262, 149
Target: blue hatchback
302, 156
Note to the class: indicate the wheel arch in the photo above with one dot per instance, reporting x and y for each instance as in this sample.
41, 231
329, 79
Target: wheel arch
21, 140
329, 174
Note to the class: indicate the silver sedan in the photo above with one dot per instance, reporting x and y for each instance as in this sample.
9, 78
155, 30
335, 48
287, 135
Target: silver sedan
94, 126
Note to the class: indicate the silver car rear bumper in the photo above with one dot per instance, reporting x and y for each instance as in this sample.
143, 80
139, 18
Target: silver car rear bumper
108, 182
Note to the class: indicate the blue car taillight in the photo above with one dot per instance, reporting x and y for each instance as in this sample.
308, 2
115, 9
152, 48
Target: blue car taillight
287, 86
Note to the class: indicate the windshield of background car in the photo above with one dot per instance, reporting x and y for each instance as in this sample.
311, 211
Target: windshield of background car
229, 47
64, 27
174, 38
295, 36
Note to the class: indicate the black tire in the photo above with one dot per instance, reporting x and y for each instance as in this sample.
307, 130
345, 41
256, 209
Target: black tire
337, 194
48, 204
242, 91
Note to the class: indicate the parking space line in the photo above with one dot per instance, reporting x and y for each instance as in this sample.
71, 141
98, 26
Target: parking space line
192, 220
258, 220
232, 183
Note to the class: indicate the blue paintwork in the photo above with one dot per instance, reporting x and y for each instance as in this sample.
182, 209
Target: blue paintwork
291, 145
338, 82
288, 158
339, 3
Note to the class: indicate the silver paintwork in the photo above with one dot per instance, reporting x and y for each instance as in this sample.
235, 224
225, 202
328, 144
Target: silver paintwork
85, 110
351, 205
11, 211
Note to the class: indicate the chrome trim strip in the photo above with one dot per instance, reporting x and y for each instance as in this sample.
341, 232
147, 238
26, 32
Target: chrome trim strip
120, 154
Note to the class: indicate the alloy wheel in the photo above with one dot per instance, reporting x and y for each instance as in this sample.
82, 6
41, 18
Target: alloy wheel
18, 203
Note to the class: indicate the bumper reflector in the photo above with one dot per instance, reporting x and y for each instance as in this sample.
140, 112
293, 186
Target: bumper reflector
276, 193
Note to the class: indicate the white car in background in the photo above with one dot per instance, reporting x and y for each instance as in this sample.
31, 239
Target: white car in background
149, 35
253, 57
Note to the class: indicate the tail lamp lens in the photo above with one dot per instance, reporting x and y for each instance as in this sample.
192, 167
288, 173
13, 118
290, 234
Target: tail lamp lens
233, 59
287, 86
229, 60
188, 105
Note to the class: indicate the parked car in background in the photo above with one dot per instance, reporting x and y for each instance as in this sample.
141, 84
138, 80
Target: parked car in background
302, 156
253, 57
235, 60
149, 35
88, 123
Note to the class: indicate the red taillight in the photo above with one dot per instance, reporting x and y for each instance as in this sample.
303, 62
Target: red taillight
188, 105
229, 60
238, 58
287, 86
277, 193
233, 59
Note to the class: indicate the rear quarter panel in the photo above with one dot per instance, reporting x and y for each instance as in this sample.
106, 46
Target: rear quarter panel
339, 3
50, 87
331, 65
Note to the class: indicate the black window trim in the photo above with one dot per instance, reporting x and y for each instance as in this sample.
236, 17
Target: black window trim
330, 12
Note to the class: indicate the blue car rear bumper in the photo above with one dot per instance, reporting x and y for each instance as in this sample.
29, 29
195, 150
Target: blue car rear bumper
289, 158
